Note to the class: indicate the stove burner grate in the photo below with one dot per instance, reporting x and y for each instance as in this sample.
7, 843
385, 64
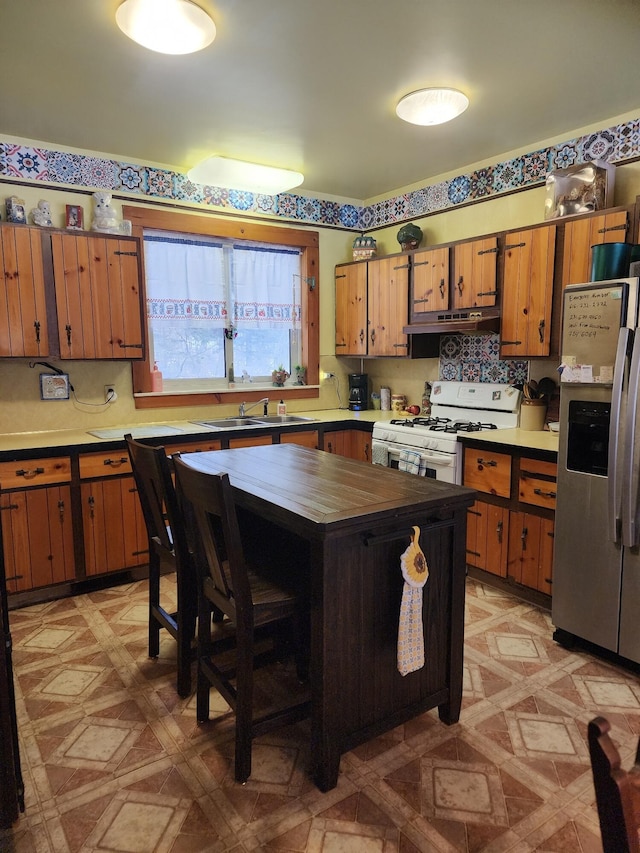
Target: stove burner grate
443, 424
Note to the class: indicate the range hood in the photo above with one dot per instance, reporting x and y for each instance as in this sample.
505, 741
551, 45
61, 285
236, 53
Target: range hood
469, 321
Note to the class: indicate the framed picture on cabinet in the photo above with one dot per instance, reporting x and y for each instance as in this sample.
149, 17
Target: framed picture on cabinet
75, 217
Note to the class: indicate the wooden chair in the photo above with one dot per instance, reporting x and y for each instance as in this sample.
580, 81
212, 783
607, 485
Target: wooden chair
617, 791
249, 601
168, 551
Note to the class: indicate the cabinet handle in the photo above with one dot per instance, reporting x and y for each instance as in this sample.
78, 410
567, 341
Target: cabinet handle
373, 336
29, 474
523, 537
9, 507
367, 448
67, 329
116, 463
36, 326
329, 447
361, 336
61, 511
460, 285
442, 288
541, 331
511, 343
488, 463
544, 494
499, 527
91, 502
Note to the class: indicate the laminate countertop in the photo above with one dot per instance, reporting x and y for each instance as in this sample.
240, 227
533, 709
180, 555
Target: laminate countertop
519, 438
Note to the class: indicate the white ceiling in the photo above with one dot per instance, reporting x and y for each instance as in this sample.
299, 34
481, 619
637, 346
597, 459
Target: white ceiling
311, 85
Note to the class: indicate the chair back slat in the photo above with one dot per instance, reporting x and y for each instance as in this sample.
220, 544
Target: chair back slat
617, 791
214, 537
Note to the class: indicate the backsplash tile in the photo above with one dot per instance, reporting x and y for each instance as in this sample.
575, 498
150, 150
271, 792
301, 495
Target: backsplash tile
476, 358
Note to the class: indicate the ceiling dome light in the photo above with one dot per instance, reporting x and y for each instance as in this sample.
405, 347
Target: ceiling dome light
167, 26
432, 106
237, 175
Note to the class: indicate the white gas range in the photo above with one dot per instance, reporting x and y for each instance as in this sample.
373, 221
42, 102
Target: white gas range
429, 445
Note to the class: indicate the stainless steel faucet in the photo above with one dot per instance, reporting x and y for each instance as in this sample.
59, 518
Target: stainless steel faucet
244, 409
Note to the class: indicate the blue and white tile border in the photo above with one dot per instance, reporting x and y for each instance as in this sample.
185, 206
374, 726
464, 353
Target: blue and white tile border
616, 145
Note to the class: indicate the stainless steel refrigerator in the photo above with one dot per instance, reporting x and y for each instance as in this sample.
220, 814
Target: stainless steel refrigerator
596, 569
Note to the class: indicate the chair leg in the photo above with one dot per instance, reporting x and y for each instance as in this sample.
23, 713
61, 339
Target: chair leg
186, 618
204, 640
154, 602
244, 713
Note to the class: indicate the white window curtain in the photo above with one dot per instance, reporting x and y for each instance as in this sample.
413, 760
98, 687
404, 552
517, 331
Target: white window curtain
265, 287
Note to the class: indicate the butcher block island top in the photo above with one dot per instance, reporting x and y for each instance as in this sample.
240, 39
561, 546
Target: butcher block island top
344, 525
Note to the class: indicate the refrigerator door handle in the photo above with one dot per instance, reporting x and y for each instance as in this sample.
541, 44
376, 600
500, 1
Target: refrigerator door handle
630, 476
614, 491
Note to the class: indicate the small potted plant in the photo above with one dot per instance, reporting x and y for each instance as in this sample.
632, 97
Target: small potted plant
301, 374
279, 376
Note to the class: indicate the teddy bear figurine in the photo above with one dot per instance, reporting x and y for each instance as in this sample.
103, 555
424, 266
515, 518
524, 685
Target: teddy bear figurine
104, 216
41, 214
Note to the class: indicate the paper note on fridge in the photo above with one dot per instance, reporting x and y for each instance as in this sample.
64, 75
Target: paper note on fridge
584, 373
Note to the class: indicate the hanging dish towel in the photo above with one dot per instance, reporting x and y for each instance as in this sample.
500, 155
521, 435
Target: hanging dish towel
380, 455
409, 460
410, 632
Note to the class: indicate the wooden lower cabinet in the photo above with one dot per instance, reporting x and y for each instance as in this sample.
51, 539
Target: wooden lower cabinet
488, 537
530, 559
115, 536
308, 438
355, 444
37, 534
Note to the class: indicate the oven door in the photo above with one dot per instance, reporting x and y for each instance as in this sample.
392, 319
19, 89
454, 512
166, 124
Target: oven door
434, 463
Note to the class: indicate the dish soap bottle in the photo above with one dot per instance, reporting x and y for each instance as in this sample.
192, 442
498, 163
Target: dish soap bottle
156, 378
282, 408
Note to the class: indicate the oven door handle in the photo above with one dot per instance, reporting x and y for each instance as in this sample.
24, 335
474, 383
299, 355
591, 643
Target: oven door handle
445, 460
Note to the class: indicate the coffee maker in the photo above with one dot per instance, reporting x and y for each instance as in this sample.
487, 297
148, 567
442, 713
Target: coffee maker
358, 392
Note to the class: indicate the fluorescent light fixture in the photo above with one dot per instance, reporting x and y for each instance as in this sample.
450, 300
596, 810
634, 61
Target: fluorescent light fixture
167, 26
432, 106
236, 175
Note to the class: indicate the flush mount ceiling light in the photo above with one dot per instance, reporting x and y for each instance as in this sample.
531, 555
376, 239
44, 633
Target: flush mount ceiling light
236, 175
167, 26
432, 106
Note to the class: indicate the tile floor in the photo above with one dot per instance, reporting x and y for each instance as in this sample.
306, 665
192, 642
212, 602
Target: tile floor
113, 760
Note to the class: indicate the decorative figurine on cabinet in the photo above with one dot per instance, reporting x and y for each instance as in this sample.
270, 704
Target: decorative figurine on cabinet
41, 214
409, 236
15, 210
364, 248
104, 216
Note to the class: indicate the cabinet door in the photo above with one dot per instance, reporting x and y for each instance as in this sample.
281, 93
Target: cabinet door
530, 559
429, 282
37, 535
360, 445
338, 442
474, 273
351, 309
305, 439
527, 292
388, 296
23, 317
97, 283
488, 537
115, 535
581, 234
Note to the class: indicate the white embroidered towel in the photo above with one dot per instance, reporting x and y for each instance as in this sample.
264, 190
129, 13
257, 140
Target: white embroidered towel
410, 632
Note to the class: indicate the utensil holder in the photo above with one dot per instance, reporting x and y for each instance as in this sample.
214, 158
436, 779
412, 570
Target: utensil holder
533, 414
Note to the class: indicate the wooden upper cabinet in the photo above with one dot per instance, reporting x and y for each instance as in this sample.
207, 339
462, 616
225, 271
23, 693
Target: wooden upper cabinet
581, 234
388, 299
429, 282
351, 309
24, 328
474, 273
98, 293
527, 292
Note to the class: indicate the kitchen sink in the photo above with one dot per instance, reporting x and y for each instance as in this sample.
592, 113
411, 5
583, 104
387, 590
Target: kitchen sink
282, 419
230, 423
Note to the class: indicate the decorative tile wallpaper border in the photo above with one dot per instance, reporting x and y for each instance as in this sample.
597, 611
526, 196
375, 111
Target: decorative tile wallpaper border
476, 358
614, 144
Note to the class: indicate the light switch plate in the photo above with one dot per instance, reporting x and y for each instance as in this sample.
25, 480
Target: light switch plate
54, 386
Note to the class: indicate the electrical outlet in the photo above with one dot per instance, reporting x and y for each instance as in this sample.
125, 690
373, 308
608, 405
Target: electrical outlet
328, 375
110, 395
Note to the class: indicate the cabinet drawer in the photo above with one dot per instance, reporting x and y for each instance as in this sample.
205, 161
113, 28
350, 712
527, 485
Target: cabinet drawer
488, 472
35, 472
104, 464
537, 483
193, 447
534, 490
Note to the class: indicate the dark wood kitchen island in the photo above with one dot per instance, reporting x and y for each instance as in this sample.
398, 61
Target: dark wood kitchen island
347, 523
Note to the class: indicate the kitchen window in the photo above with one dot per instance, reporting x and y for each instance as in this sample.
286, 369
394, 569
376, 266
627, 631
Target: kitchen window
220, 311
234, 248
